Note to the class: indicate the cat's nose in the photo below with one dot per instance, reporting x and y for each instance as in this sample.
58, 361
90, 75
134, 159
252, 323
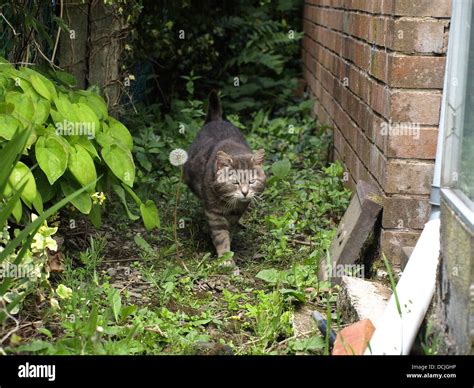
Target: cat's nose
245, 191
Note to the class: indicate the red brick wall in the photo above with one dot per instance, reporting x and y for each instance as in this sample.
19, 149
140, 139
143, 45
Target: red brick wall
371, 63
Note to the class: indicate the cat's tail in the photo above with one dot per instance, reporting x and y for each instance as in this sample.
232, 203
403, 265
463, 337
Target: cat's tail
214, 110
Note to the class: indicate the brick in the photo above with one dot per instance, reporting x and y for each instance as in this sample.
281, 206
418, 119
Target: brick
354, 339
393, 241
419, 35
434, 8
377, 164
408, 177
381, 31
356, 52
375, 132
417, 72
415, 106
380, 98
379, 65
360, 5
417, 143
402, 212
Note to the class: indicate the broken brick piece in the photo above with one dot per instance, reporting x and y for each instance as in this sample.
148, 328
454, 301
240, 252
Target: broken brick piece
354, 339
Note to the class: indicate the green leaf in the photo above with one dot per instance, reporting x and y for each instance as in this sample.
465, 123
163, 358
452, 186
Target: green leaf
13, 206
294, 293
81, 165
81, 202
21, 173
95, 102
127, 311
86, 143
40, 86
10, 154
115, 302
31, 227
24, 107
65, 109
66, 78
64, 292
121, 194
42, 185
281, 168
40, 78
272, 276
52, 154
150, 215
307, 344
42, 108
38, 203
120, 161
8, 126
120, 133
95, 215
86, 119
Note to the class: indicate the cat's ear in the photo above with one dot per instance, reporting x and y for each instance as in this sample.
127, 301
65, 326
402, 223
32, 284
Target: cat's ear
214, 110
258, 157
223, 160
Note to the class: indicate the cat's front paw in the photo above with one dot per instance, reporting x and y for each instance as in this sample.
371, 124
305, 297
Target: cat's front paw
230, 266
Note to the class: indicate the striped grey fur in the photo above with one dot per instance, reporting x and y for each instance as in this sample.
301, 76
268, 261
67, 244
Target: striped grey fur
224, 173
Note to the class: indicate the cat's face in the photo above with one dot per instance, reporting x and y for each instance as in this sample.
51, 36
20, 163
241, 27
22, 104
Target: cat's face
240, 178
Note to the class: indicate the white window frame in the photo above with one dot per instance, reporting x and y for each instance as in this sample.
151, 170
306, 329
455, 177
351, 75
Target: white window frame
454, 107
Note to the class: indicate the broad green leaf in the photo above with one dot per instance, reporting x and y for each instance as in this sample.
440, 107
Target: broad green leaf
43, 186
150, 215
38, 203
81, 165
95, 102
66, 78
8, 126
24, 107
87, 120
45, 82
21, 173
42, 108
12, 206
6, 108
294, 293
52, 154
105, 139
65, 108
86, 143
81, 202
26, 233
10, 154
120, 161
281, 168
40, 86
307, 344
120, 133
272, 276
17, 211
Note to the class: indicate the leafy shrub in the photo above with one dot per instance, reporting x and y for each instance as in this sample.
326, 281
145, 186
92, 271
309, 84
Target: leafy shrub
22, 258
73, 140
255, 41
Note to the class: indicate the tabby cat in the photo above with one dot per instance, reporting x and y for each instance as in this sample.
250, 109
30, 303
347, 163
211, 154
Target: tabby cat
224, 173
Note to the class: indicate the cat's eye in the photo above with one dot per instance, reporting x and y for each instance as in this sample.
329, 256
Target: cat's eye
252, 181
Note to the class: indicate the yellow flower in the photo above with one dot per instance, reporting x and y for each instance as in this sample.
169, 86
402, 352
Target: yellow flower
98, 198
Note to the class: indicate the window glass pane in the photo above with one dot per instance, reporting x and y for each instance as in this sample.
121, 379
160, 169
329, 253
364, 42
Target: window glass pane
466, 158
